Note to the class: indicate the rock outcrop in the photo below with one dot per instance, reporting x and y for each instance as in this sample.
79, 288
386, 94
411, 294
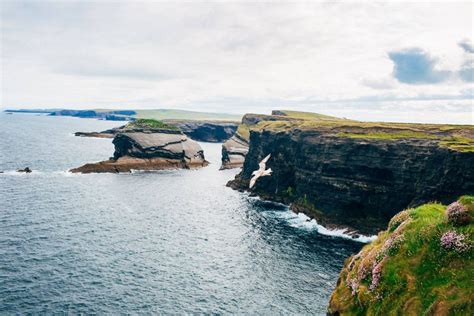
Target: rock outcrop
357, 174
202, 131
234, 151
206, 131
150, 149
421, 265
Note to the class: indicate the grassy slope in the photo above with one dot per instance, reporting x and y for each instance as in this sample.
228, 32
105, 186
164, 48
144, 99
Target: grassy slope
420, 277
455, 137
165, 114
151, 123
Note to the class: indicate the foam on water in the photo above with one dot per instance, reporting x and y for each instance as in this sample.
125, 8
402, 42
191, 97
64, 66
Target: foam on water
300, 220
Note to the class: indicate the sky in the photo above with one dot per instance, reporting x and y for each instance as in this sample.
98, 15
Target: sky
385, 61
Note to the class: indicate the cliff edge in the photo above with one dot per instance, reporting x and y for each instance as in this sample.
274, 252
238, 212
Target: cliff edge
421, 265
357, 174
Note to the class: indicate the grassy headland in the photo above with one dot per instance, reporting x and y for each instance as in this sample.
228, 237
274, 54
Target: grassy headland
421, 265
456, 137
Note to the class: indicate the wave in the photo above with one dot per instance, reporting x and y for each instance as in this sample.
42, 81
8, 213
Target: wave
300, 220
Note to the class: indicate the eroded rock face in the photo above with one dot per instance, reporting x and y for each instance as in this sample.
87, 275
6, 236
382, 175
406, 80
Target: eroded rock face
203, 131
234, 151
150, 150
359, 183
206, 131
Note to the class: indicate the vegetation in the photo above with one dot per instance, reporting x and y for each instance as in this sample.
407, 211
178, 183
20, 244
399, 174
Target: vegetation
455, 137
244, 131
423, 264
151, 123
313, 116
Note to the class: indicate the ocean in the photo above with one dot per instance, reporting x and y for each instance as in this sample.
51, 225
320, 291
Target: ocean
168, 242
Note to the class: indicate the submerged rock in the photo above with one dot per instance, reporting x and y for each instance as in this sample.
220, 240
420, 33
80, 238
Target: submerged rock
150, 149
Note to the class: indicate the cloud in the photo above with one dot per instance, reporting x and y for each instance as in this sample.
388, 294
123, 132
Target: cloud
206, 55
415, 66
466, 72
467, 46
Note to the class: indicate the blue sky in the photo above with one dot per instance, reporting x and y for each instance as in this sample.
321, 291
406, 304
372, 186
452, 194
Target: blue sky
394, 61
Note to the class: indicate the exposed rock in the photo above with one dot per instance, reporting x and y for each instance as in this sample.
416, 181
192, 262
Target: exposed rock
236, 148
356, 182
95, 134
25, 170
234, 151
206, 131
152, 149
203, 131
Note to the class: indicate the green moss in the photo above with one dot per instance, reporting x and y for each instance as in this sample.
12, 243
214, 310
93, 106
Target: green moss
244, 131
420, 277
151, 123
387, 135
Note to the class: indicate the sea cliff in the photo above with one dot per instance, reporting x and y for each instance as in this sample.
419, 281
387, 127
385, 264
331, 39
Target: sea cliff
149, 145
357, 174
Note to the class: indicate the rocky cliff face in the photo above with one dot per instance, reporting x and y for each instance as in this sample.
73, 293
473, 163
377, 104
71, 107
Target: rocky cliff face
236, 148
234, 151
206, 131
202, 131
150, 149
355, 182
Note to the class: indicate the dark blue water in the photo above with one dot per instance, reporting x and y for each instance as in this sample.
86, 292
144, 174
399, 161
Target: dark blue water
163, 242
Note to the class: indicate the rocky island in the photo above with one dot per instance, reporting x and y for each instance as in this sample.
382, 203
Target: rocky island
149, 145
356, 174
421, 265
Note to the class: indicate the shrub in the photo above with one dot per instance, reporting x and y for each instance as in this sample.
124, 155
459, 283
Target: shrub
454, 241
457, 214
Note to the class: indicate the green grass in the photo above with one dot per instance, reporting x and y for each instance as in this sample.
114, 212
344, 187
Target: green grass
391, 135
420, 277
312, 116
244, 131
455, 137
151, 123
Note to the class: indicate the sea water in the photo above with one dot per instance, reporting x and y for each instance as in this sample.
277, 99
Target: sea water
175, 241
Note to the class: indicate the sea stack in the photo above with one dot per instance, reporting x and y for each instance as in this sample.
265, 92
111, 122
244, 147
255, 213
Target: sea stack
149, 145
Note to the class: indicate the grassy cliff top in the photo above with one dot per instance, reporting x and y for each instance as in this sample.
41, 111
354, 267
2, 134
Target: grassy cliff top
455, 137
421, 265
150, 123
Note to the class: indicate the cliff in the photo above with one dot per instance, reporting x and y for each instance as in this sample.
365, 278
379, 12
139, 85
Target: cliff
357, 174
203, 131
206, 131
149, 145
421, 265
236, 148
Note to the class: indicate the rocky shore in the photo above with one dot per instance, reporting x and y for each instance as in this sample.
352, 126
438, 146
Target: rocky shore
141, 147
357, 174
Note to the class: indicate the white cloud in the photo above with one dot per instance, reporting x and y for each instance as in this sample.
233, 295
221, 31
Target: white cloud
231, 57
